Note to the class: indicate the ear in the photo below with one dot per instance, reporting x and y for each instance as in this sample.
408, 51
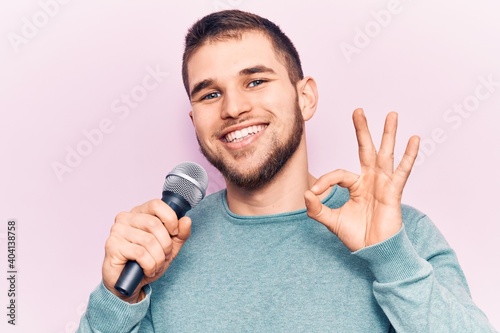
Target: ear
307, 94
191, 116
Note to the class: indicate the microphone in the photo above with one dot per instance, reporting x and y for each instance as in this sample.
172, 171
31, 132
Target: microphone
183, 189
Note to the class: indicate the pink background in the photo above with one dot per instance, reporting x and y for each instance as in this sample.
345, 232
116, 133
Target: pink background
67, 76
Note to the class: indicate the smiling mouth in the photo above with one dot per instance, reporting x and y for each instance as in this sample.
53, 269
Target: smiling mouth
242, 134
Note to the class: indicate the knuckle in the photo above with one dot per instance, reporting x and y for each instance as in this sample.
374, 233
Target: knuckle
115, 229
168, 246
318, 212
156, 204
315, 214
121, 217
140, 253
109, 245
152, 223
147, 262
160, 258
148, 265
148, 239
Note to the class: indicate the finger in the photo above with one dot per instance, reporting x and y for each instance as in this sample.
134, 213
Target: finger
148, 223
142, 246
366, 149
161, 210
183, 235
123, 251
385, 157
406, 165
338, 177
321, 213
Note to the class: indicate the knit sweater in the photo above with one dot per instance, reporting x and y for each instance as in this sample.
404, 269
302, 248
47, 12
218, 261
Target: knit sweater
288, 273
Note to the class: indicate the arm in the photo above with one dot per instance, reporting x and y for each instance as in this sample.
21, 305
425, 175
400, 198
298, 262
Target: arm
150, 234
420, 286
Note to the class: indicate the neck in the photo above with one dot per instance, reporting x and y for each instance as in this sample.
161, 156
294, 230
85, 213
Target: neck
285, 193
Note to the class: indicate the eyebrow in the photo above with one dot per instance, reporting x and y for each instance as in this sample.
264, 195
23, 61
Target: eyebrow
256, 69
201, 85
246, 71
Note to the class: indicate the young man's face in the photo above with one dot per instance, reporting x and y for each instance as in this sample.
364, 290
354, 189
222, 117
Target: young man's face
245, 109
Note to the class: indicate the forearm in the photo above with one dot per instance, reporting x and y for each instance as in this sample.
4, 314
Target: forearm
420, 295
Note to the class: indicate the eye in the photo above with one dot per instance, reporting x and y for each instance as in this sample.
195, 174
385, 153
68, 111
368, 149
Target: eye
211, 95
255, 83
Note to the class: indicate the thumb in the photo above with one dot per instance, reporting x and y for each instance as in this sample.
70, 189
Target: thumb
321, 213
183, 235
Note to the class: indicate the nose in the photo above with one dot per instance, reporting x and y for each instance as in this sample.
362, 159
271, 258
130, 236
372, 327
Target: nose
234, 104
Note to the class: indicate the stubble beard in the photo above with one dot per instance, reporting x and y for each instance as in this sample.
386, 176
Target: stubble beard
277, 156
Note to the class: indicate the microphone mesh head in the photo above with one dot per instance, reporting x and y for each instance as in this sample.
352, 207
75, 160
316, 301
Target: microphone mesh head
189, 180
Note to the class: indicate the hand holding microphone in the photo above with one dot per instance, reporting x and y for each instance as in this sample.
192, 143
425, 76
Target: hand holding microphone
143, 242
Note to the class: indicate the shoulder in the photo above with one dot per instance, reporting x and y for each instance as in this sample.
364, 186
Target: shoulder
211, 204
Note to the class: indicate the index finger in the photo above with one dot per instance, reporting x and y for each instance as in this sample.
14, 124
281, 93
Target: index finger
163, 212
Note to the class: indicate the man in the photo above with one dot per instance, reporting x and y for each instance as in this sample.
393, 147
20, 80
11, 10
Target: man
256, 260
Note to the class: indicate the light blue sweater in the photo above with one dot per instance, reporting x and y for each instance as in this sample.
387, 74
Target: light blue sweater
288, 273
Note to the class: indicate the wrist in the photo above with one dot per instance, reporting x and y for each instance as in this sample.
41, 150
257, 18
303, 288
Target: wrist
394, 259
138, 295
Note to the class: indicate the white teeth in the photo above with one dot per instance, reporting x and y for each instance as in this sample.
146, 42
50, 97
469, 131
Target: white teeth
241, 134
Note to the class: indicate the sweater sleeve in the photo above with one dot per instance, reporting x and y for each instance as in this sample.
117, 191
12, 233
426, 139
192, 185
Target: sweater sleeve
419, 283
106, 313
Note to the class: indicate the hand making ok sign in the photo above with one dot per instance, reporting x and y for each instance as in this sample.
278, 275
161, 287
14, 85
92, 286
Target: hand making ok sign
373, 212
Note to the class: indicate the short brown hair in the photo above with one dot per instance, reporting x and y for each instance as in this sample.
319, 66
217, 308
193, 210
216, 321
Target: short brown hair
228, 24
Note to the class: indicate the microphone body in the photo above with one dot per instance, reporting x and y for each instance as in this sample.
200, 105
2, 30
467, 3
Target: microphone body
184, 188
